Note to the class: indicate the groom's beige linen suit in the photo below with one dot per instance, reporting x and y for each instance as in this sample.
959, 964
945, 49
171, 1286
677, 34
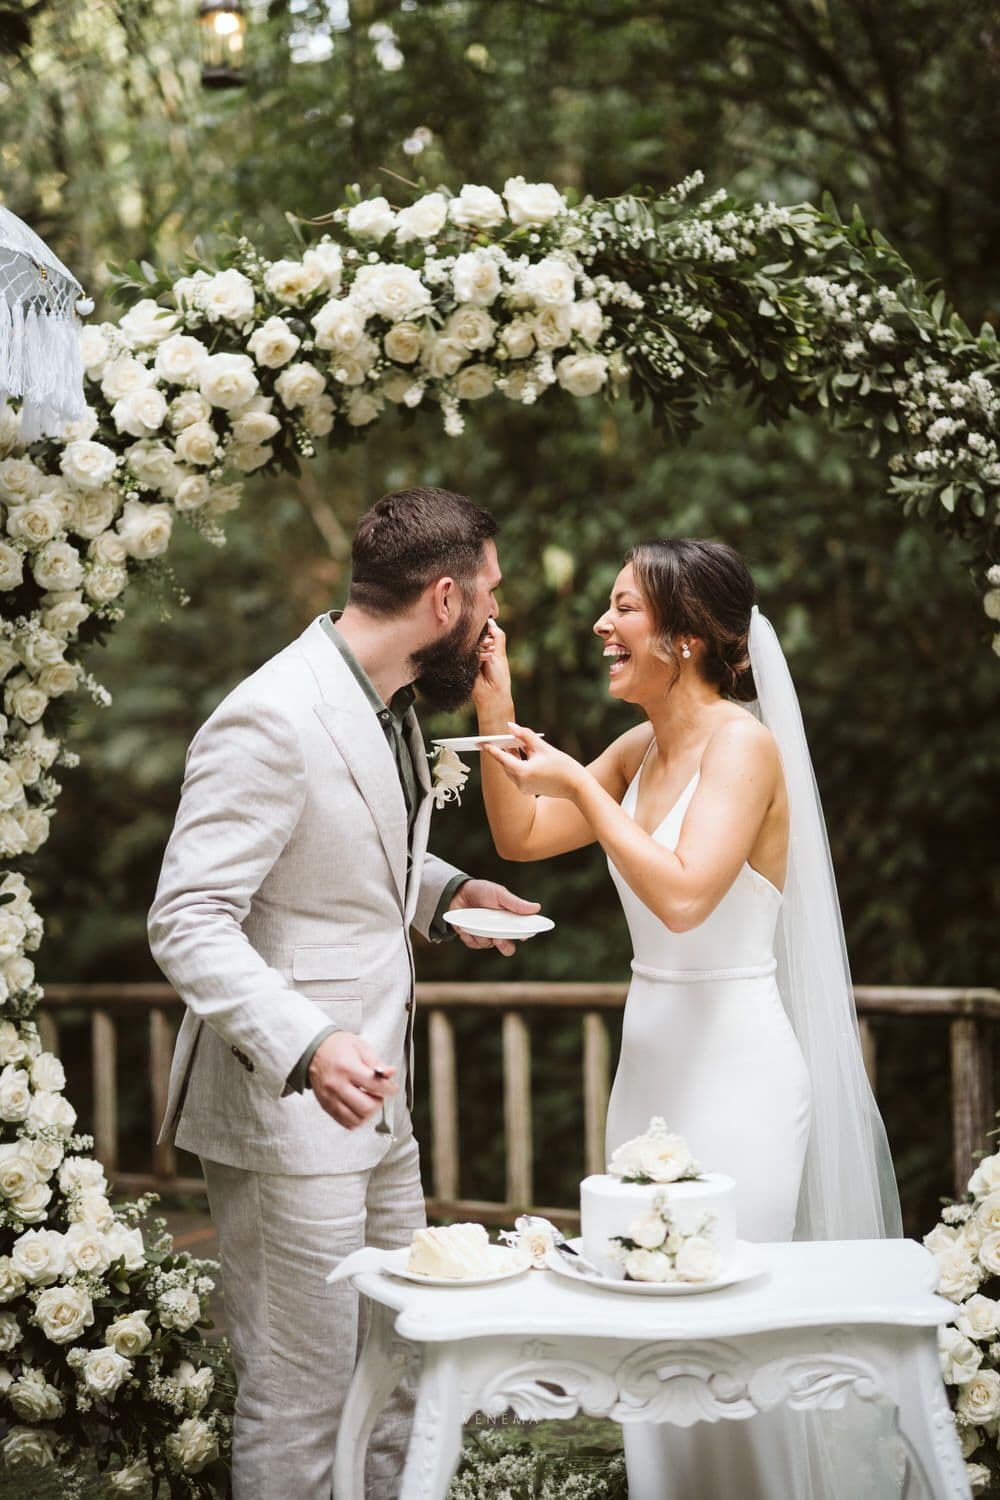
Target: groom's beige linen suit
284, 905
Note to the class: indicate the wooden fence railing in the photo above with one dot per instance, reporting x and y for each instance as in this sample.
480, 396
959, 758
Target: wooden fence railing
971, 1013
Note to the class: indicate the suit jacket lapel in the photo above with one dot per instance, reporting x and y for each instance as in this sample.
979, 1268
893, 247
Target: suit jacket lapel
422, 821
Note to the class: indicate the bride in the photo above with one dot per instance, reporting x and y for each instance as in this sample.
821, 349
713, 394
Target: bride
739, 1026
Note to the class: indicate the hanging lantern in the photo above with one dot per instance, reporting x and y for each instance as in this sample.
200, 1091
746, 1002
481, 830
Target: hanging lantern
223, 28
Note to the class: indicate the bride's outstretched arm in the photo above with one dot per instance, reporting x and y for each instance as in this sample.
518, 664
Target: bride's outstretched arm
740, 776
525, 826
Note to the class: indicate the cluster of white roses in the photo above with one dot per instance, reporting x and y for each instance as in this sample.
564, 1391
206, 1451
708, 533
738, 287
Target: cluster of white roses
658, 1155
654, 1249
966, 1246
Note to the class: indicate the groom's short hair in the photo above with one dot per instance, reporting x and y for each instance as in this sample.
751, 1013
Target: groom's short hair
408, 539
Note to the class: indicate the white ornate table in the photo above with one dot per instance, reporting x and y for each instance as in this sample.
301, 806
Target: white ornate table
850, 1315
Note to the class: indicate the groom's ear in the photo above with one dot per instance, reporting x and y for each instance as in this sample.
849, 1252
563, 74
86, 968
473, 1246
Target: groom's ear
444, 599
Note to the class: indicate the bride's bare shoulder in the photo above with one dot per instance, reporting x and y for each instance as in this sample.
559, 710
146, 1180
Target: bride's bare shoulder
631, 748
740, 737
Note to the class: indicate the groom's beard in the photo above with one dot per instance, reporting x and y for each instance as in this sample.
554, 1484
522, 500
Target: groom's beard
447, 669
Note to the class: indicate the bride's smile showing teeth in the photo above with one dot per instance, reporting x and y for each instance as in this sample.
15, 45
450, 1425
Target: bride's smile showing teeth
619, 657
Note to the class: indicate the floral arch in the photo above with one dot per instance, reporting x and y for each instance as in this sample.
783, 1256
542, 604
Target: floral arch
220, 369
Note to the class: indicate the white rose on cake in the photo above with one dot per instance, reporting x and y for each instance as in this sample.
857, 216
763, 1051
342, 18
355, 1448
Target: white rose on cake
88, 465
532, 202
648, 1265
697, 1259
477, 208
273, 344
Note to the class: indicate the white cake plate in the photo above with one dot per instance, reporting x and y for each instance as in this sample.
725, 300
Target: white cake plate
490, 922
507, 1265
747, 1262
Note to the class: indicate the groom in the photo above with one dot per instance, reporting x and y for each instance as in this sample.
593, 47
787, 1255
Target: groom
297, 865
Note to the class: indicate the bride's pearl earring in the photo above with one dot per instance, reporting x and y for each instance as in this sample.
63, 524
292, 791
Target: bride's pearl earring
686, 651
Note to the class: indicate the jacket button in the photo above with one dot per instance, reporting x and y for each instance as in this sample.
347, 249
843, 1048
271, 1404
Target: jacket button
408, 1005
241, 1057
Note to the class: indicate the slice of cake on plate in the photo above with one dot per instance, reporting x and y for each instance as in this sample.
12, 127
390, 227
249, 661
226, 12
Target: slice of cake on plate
455, 1252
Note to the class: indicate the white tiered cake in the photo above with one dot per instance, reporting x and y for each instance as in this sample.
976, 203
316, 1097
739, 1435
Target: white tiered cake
678, 1224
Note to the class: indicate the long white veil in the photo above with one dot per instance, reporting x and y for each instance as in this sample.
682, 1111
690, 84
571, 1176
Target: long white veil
849, 1187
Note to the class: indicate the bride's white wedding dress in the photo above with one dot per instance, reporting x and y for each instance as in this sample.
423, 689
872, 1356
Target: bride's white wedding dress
706, 1044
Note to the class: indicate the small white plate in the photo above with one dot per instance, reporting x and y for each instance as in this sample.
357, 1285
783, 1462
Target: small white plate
746, 1263
484, 921
507, 1265
477, 741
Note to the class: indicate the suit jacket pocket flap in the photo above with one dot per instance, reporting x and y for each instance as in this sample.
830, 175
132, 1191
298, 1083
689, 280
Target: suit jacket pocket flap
326, 961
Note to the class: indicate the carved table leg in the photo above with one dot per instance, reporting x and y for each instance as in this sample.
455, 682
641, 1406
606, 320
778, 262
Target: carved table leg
383, 1363
935, 1467
436, 1441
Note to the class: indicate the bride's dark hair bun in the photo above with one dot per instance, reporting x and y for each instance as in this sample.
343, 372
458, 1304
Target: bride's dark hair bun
701, 589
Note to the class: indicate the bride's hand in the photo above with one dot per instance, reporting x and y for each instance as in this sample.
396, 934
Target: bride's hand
546, 772
493, 685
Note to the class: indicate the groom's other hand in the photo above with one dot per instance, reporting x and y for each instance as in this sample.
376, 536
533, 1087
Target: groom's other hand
342, 1076
497, 898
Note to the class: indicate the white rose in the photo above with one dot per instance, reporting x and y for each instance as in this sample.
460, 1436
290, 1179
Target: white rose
46, 1156
34, 522
246, 458
124, 376
34, 822
103, 1372
473, 382
587, 320
140, 413
299, 384
33, 1399
179, 1308
9, 658
82, 1173
57, 566
665, 1158
133, 1480
327, 259
532, 202
227, 296
960, 1359
979, 1478
198, 444
45, 748
147, 323
551, 328
53, 1111
477, 208
648, 1265
86, 1249
11, 567
10, 1332
95, 351
102, 584
228, 380
340, 325
12, 840
94, 1210
403, 341
352, 369
518, 338
423, 219
979, 1398
145, 529
582, 374
31, 1206
362, 409
979, 1318
444, 357
88, 465
373, 219
397, 386
318, 416
28, 1448
62, 495
192, 493
393, 292
108, 548
154, 465
13, 931
20, 480
15, 1093
63, 1312
649, 1231
129, 1334
941, 1237
11, 788
475, 278
550, 282
180, 359
197, 1384
294, 281
988, 1212
17, 1170
255, 427
958, 1274
470, 325
273, 343
187, 289
188, 407
92, 514
12, 1046
126, 1245
40, 649
39, 1256
58, 678
697, 1259
986, 1178
989, 1253
12, 1284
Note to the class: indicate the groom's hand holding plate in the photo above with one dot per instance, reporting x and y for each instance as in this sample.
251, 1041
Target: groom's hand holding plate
480, 894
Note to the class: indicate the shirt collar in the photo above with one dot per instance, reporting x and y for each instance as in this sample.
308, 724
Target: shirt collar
402, 699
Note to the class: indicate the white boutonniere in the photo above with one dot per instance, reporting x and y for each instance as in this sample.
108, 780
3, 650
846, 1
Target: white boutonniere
450, 776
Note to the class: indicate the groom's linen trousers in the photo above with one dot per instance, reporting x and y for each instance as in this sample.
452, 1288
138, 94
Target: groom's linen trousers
297, 865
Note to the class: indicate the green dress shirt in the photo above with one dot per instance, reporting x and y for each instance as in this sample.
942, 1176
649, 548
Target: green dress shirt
391, 718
